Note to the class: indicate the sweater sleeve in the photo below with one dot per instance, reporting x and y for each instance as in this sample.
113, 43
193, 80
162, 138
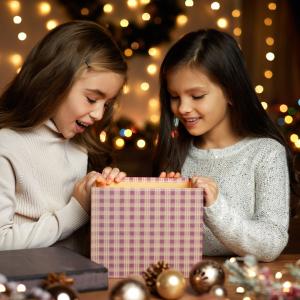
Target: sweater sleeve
265, 234
45, 231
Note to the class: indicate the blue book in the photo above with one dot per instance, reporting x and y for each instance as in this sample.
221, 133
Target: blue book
32, 266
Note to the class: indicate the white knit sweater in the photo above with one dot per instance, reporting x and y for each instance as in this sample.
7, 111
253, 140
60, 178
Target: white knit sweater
251, 214
38, 170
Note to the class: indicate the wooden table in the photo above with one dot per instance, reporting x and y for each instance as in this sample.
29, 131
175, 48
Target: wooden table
275, 266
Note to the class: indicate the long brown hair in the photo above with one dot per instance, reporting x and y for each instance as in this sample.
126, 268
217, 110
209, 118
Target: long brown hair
49, 72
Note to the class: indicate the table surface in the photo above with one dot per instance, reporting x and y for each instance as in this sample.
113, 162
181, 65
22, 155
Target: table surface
274, 266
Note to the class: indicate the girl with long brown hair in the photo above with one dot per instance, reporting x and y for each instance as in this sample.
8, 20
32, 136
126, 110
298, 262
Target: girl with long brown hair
50, 118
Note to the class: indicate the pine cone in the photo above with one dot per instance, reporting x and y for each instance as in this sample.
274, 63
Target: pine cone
151, 274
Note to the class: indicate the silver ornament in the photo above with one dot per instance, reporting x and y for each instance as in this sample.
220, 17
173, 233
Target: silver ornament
206, 274
129, 289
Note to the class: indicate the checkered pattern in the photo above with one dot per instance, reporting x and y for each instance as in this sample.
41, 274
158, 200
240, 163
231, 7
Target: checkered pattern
132, 228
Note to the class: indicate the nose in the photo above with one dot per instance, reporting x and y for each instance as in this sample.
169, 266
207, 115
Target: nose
184, 106
97, 113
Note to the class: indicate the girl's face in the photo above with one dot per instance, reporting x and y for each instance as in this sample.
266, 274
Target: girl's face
85, 103
199, 103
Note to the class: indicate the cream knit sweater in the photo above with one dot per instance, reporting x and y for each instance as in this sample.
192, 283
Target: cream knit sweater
38, 170
251, 214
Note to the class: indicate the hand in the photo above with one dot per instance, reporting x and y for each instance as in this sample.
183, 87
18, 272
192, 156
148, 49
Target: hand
170, 175
210, 189
82, 190
111, 174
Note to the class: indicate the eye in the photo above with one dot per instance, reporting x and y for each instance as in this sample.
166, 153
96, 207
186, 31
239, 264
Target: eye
92, 101
198, 97
173, 98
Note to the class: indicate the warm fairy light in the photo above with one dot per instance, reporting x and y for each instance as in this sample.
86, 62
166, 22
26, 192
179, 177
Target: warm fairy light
128, 133
144, 2
14, 6
237, 31
181, 20
232, 259
268, 21
126, 89
270, 56
215, 5
240, 290
146, 16
259, 89
119, 143
264, 105
286, 286
278, 275
236, 13
293, 138
132, 3
153, 103
18, 70
2, 288
15, 59
154, 119
135, 45
17, 19
283, 108
124, 23
269, 41
144, 86
21, 288
152, 69
128, 52
22, 36
272, 6
51, 24
189, 3
288, 119
141, 143
155, 52
247, 298
102, 136
268, 74
84, 11
297, 144
108, 8
222, 22
44, 8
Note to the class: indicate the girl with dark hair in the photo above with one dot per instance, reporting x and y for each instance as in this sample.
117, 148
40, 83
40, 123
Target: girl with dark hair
50, 118
214, 130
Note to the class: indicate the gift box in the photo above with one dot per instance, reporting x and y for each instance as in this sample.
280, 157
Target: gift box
144, 220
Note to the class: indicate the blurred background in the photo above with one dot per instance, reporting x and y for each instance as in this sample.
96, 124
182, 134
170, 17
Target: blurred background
268, 32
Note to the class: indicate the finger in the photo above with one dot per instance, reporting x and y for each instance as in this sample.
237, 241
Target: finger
120, 177
101, 181
90, 181
177, 175
112, 175
170, 175
106, 171
163, 175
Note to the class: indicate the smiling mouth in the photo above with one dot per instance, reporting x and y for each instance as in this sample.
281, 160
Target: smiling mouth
191, 121
81, 124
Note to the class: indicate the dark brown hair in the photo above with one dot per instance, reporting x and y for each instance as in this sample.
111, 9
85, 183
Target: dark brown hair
49, 72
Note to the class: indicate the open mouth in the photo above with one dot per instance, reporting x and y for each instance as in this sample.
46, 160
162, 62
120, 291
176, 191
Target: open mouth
81, 124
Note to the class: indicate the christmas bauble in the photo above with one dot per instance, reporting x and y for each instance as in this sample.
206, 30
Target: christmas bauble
170, 284
129, 289
206, 274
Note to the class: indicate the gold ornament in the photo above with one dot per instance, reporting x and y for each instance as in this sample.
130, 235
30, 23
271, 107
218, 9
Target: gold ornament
129, 289
151, 274
170, 284
218, 291
206, 274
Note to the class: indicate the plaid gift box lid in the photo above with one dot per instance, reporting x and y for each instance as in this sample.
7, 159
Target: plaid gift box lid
145, 220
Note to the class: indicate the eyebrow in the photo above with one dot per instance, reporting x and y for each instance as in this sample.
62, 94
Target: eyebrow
98, 92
